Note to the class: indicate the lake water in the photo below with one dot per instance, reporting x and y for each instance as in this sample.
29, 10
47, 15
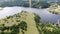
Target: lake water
43, 13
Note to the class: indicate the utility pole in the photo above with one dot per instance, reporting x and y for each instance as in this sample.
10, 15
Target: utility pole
30, 3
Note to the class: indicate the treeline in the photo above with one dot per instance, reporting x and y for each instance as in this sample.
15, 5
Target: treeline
40, 4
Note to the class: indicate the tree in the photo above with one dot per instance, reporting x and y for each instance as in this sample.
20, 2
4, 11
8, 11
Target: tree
23, 25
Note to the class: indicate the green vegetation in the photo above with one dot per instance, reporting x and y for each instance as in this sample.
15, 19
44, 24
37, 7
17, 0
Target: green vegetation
25, 3
27, 23
49, 28
41, 4
21, 23
54, 8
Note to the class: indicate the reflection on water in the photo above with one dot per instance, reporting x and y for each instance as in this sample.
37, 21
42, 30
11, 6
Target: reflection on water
43, 13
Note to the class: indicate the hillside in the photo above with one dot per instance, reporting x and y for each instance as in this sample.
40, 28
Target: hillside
55, 9
27, 23
21, 23
24, 3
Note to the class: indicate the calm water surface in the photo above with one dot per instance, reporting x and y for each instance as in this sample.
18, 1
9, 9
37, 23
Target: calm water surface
43, 13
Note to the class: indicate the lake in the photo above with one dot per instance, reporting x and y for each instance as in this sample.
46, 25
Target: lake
45, 15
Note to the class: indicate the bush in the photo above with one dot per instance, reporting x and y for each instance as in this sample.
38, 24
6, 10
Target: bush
23, 25
37, 18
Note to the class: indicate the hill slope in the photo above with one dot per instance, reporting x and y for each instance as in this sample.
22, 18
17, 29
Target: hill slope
21, 23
